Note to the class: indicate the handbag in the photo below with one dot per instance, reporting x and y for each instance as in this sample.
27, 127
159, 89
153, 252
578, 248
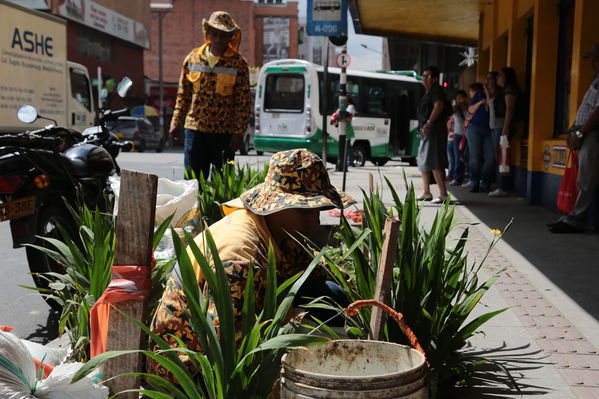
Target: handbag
568, 191
504, 155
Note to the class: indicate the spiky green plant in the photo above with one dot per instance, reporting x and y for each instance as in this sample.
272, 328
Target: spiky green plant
225, 184
87, 267
244, 369
434, 284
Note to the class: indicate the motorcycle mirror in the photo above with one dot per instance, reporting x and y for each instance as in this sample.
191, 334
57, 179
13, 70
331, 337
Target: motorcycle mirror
27, 114
124, 87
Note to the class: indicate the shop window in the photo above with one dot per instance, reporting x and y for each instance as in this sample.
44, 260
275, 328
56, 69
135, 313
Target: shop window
93, 44
564, 66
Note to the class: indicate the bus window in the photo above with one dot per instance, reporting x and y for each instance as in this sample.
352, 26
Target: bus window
284, 92
375, 99
352, 89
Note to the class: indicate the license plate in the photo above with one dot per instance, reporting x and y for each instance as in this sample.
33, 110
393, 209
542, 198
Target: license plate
17, 209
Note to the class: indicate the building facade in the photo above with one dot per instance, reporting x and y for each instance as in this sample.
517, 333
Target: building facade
269, 31
544, 41
107, 34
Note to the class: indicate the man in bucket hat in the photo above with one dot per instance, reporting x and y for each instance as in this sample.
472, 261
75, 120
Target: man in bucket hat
286, 206
213, 101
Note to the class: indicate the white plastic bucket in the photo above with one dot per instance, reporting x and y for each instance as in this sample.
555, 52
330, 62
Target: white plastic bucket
350, 369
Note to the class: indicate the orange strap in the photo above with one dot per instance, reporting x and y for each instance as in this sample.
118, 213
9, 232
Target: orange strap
129, 283
353, 308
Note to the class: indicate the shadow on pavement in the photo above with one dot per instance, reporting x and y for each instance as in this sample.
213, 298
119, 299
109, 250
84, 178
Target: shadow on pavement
502, 373
46, 332
570, 261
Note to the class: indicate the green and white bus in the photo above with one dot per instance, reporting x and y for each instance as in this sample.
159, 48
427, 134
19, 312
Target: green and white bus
289, 109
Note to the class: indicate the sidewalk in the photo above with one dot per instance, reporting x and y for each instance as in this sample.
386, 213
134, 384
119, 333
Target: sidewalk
550, 335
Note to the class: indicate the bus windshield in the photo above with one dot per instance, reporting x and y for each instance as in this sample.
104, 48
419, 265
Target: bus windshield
284, 93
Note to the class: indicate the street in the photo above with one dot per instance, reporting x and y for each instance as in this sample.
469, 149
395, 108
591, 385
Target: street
24, 309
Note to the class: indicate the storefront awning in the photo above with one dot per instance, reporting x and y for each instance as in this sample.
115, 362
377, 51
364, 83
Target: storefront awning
445, 21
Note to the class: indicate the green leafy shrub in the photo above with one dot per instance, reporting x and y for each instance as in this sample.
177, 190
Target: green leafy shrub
247, 368
434, 285
88, 271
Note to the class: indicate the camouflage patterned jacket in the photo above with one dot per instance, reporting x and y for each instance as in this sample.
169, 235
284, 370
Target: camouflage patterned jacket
213, 100
242, 239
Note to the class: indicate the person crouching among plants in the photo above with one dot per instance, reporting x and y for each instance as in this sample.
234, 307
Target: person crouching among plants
279, 212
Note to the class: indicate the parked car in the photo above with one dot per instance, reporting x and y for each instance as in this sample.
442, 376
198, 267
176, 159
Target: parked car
139, 130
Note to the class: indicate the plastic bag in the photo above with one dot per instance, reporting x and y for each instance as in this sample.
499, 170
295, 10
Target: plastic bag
504, 155
568, 191
176, 197
18, 376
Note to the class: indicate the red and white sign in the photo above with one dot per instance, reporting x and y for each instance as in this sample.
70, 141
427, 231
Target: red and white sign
343, 60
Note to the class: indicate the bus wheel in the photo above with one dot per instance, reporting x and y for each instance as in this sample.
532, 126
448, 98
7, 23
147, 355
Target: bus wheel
379, 161
359, 155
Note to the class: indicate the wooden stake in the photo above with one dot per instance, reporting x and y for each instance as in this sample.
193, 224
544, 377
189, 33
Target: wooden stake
134, 235
384, 276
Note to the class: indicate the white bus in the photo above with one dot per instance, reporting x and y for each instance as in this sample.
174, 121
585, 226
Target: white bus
289, 109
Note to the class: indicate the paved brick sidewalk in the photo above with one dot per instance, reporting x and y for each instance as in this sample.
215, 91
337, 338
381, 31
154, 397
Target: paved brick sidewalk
563, 345
545, 351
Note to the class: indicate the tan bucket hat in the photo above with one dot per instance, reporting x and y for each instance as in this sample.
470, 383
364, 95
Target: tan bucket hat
296, 179
221, 20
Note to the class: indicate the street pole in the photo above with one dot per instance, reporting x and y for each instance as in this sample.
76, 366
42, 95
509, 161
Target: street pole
325, 97
342, 161
160, 77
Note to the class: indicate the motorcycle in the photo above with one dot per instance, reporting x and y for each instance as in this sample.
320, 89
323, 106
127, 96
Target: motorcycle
43, 170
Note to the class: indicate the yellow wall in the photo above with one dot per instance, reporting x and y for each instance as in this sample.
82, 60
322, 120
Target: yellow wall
486, 30
544, 71
523, 7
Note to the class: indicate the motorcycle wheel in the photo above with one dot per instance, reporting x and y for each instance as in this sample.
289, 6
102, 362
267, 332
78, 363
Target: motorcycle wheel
39, 262
141, 147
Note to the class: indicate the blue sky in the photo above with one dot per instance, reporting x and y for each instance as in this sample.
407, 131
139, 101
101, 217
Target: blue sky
361, 58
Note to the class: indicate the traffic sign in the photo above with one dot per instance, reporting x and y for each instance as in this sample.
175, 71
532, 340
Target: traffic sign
327, 17
343, 60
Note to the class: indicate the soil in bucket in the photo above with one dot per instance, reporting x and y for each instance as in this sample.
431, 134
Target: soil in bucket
351, 369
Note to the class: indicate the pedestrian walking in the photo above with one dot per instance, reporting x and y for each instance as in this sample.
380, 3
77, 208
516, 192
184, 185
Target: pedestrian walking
432, 152
213, 101
479, 141
460, 110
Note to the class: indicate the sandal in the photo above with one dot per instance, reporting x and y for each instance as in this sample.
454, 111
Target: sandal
439, 200
424, 197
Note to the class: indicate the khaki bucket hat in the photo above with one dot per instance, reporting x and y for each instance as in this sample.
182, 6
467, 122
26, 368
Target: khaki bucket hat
296, 179
221, 20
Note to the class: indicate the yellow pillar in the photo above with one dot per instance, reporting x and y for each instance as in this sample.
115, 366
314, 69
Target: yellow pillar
516, 45
483, 65
498, 53
586, 34
542, 90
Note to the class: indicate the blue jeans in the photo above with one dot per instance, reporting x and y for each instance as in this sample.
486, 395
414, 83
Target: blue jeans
481, 156
503, 181
201, 150
456, 166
